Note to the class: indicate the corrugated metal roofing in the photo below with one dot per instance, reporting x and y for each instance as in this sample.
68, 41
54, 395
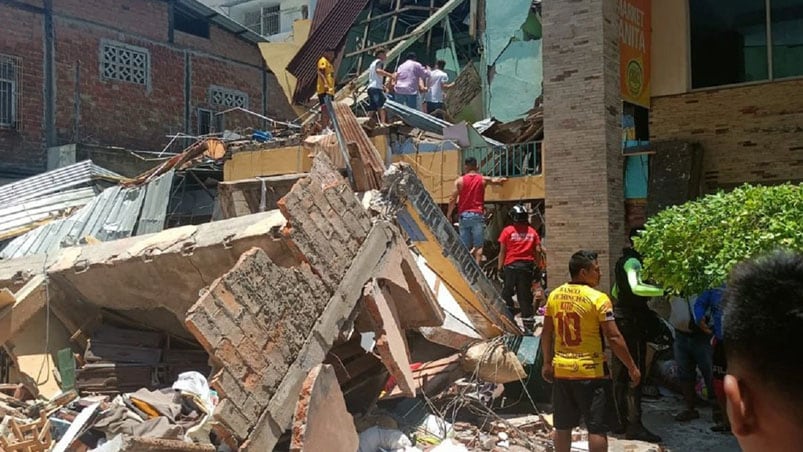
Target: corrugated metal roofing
54, 181
111, 215
330, 34
22, 217
322, 9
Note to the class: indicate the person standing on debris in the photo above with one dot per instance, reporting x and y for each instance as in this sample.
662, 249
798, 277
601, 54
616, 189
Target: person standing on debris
761, 324
469, 195
326, 84
519, 250
634, 318
410, 77
572, 347
436, 83
710, 301
376, 86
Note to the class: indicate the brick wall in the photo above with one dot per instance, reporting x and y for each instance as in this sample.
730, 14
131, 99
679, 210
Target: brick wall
582, 110
22, 38
93, 110
748, 134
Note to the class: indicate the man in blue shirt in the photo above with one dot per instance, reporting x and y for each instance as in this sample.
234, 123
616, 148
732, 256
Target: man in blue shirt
710, 302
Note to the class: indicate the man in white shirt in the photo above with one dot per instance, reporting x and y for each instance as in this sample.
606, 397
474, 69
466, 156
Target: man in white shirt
376, 86
437, 82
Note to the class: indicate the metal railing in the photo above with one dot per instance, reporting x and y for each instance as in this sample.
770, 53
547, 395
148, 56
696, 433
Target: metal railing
513, 160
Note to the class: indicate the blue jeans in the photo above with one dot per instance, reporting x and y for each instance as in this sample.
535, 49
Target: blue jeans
472, 229
694, 350
410, 100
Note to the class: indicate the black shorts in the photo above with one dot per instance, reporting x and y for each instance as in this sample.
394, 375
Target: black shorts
586, 399
376, 98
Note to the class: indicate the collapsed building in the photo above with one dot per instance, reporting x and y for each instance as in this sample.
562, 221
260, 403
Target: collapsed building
299, 271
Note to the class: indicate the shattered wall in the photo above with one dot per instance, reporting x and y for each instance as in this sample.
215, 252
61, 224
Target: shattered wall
512, 57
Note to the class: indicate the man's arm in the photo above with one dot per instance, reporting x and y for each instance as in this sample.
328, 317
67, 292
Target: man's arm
637, 286
501, 258
619, 348
494, 180
547, 349
458, 183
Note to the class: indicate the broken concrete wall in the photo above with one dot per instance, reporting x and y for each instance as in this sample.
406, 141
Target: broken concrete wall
439, 243
512, 60
244, 197
266, 324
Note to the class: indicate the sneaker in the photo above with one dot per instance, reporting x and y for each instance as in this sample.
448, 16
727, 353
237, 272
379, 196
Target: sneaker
642, 434
687, 415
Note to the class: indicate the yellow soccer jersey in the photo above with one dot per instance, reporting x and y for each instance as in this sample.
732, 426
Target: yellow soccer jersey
576, 311
329, 70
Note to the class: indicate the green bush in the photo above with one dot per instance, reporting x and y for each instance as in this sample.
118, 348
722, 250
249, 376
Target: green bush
693, 246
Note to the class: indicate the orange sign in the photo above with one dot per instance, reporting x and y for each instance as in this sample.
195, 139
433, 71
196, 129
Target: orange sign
634, 49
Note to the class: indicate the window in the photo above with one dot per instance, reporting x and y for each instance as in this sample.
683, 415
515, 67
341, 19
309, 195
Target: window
786, 23
264, 21
731, 43
9, 90
209, 122
186, 22
225, 97
124, 63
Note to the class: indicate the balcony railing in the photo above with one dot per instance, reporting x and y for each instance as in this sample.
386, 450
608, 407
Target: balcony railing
514, 160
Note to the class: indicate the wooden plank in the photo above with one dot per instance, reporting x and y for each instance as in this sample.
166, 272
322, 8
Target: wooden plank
102, 351
75, 428
119, 336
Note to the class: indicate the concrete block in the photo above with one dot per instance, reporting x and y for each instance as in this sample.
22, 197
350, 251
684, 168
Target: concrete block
321, 421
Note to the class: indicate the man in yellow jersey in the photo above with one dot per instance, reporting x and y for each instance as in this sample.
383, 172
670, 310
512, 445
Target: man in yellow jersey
577, 316
326, 83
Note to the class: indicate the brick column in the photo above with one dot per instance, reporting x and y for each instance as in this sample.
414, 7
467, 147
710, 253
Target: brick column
582, 131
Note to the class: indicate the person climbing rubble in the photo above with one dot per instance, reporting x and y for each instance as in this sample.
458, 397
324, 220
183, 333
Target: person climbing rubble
519, 251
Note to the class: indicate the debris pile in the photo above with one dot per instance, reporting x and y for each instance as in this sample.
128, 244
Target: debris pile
327, 290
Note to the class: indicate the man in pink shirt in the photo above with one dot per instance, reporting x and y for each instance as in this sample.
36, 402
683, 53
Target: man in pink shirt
410, 77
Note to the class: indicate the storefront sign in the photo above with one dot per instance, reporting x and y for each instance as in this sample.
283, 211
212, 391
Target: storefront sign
634, 49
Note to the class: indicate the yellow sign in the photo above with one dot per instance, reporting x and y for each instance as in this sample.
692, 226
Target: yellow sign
634, 48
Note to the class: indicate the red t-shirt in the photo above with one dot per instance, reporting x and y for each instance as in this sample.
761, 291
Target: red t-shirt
472, 194
520, 241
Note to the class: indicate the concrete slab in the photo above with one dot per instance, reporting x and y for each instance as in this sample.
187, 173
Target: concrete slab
390, 338
321, 421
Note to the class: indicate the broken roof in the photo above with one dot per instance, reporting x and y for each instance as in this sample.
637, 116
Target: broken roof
31, 202
116, 213
329, 34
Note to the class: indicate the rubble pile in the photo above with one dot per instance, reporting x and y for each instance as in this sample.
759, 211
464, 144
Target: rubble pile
320, 298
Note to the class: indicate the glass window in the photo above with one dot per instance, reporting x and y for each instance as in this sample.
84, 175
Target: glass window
787, 38
728, 42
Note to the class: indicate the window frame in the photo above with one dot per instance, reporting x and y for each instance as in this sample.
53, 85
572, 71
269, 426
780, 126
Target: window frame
226, 91
102, 62
770, 68
15, 92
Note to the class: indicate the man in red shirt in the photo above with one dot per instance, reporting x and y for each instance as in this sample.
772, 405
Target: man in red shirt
519, 251
469, 195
